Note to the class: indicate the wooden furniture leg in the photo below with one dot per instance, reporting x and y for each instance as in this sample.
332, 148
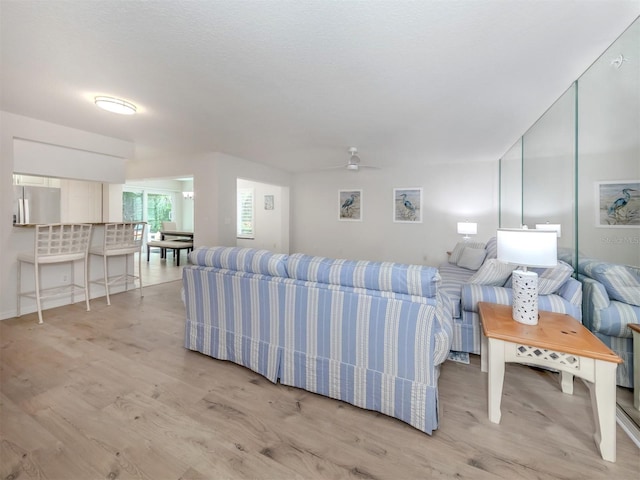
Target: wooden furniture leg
603, 403
496, 378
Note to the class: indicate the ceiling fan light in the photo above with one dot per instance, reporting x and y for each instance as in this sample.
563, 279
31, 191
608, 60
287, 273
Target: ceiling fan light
115, 105
352, 166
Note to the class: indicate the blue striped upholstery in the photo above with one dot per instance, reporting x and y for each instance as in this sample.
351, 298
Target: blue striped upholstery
241, 259
379, 350
467, 333
465, 297
492, 248
453, 277
607, 317
384, 276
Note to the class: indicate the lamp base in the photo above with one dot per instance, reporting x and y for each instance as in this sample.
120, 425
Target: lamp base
525, 297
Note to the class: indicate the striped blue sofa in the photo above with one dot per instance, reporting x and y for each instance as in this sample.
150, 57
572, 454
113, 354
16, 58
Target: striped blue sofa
456, 282
611, 301
370, 334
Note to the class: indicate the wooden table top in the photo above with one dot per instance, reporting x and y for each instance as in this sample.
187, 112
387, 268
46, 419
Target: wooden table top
554, 331
634, 326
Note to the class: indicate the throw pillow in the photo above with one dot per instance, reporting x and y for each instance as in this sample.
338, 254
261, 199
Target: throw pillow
621, 283
492, 272
472, 258
551, 279
459, 248
492, 248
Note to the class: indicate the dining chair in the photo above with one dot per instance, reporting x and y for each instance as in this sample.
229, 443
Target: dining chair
120, 239
172, 227
55, 244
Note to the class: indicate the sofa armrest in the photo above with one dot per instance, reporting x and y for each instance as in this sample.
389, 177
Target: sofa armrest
594, 299
571, 291
594, 293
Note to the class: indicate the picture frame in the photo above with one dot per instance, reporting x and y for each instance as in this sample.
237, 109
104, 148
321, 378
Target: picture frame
269, 202
407, 205
617, 204
350, 205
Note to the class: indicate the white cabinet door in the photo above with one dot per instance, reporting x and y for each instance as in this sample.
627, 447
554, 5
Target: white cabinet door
81, 201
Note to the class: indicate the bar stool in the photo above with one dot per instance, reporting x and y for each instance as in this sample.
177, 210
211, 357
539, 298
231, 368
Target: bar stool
120, 239
56, 243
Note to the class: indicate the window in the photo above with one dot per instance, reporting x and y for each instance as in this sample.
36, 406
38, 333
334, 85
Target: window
151, 207
159, 209
132, 207
245, 213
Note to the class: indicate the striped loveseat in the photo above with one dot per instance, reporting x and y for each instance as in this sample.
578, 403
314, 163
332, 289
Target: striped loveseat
370, 334
491, 282
611, 302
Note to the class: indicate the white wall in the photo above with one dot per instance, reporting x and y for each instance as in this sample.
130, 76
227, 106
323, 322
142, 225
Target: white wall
14, 239
271, 229
214, 186
451, 193
187, 207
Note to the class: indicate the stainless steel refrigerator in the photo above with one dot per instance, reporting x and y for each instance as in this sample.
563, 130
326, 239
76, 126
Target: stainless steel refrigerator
36, 204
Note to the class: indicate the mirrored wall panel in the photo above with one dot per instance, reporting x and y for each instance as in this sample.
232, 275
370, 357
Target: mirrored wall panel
511, 187
548, 171
580, 167
609, 154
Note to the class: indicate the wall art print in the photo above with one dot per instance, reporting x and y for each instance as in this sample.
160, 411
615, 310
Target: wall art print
269, 202
350, 205
618, 204
407, 205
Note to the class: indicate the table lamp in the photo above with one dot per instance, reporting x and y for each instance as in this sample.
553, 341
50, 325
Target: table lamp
467, 228
527, 248
556, 227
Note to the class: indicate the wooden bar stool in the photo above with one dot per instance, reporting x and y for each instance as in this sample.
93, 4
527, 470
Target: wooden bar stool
56, 243
120, 239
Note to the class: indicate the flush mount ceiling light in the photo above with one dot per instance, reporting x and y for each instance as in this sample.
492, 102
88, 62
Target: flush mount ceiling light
116, 105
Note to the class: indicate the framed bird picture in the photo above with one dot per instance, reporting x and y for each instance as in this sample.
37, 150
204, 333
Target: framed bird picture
618, 204
350, 205
407, 205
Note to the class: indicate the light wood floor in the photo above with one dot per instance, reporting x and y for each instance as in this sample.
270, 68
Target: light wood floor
113, 394
158, 270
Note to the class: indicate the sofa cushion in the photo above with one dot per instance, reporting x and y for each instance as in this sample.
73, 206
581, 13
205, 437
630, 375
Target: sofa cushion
492, 272
472, 258
551, 279
384, 276
241, 259
492, 248
459, 248
453, 278
621, 282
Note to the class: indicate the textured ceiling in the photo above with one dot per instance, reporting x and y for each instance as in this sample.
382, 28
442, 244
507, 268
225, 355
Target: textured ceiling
295, 83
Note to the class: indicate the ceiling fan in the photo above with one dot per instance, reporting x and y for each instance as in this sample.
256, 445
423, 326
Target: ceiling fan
354, 161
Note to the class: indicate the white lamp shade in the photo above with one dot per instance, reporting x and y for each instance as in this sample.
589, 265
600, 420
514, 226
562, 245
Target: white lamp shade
528, 248
556, 227
467, 228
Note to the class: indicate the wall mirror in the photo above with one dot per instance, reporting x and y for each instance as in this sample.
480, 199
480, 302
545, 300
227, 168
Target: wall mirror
511, 187
608, 161
548, 171
580, 167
